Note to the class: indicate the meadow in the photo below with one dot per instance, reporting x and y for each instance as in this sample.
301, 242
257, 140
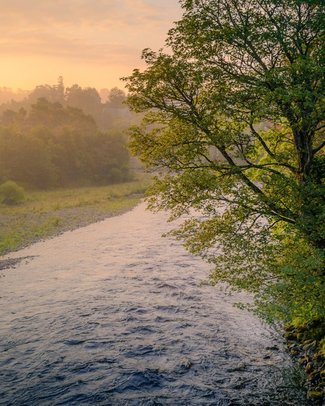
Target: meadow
45, 214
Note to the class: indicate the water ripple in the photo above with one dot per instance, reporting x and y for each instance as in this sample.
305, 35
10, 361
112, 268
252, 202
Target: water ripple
113, 314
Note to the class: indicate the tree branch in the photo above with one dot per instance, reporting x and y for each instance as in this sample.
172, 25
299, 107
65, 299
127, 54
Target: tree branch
317, 149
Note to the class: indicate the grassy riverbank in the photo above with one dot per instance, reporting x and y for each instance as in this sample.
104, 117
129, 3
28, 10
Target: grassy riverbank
47, 213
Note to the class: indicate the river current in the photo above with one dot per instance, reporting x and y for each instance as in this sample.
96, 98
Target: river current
114, 314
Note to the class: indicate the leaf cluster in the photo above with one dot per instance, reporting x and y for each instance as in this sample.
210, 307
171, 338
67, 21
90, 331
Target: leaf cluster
234, 133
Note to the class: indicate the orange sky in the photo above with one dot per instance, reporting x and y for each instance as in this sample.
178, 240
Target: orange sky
89, 42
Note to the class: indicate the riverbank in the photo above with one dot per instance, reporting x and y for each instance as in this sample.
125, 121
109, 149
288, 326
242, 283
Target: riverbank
306, 345
45, 214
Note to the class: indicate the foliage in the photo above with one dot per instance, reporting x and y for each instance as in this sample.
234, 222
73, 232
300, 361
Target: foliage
234, 127
107, 107
59, 146
11, 193
297, 295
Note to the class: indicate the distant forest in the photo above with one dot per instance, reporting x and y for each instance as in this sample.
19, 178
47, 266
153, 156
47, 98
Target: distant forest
56, 136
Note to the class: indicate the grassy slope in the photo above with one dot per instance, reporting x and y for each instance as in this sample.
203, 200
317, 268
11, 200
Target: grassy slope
48, 213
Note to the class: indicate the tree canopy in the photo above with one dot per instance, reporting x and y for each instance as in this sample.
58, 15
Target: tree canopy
55, 146
107, 107
234, 129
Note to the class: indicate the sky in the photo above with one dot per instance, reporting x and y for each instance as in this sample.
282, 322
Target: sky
89, 42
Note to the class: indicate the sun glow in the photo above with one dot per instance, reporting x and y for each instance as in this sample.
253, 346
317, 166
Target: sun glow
92, 44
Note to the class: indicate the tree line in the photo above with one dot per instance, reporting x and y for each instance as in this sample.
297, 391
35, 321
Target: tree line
52, 144
106, 106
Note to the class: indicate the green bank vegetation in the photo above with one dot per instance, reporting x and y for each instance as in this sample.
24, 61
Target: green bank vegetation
11, 193
235, 124
47, 213
64, 162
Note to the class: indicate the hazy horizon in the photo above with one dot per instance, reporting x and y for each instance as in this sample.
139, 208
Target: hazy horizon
92, 44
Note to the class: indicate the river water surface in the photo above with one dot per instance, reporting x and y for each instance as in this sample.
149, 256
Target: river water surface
113, 314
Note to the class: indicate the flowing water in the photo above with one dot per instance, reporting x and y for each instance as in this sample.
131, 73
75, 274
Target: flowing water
113, 314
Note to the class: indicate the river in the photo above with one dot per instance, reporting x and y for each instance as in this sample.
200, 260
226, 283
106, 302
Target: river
114, 314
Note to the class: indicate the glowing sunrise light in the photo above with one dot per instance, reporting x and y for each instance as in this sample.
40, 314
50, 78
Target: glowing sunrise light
89, 43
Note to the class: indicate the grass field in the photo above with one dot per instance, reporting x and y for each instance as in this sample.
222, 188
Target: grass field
48, 213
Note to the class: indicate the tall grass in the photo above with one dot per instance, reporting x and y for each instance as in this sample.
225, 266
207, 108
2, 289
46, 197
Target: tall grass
47, 213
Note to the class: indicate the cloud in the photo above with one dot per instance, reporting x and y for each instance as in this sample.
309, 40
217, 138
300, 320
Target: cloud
90, 42
47, 44
84, 29
75, 12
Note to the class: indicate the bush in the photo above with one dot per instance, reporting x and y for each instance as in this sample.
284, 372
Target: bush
11, 193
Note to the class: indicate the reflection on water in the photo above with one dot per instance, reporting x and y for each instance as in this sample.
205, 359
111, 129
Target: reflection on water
113, 314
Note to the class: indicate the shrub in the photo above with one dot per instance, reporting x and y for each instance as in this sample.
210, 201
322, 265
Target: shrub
11, 193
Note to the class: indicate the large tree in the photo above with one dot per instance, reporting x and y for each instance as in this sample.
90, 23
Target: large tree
234, 128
